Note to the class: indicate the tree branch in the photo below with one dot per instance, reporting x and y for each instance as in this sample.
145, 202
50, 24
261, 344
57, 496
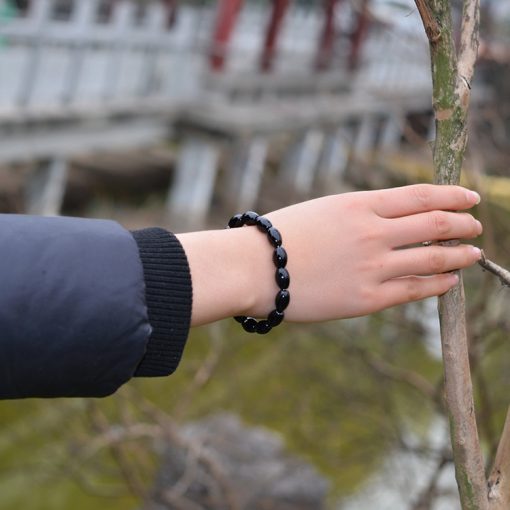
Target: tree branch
499, 479
468, 50
492, 267
429, 22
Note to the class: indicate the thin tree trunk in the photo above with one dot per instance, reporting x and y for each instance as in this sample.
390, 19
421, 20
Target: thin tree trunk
451, 76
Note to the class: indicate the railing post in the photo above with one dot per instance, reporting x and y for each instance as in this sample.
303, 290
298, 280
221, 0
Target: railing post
45, 188
365, 137
245, 173
278, 12
39, 14
190, 194
391, 135
300, 165
84, 12
328, 35
334, 158
123, 15
156, 26
226, 17
359, 34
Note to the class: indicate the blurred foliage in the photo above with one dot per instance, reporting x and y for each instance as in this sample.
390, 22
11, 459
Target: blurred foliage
311, 383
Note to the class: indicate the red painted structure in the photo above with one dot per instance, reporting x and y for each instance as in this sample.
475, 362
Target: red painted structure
280, 8
358, 36
328, 36
226, 16
171, 12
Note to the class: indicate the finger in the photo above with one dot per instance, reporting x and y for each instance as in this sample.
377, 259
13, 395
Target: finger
418, 198
432, 226
430, 260
414, 288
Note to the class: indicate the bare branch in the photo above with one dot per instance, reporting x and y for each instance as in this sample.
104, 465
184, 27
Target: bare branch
429, 22
468, 51
399, 374
499, 479
492, 267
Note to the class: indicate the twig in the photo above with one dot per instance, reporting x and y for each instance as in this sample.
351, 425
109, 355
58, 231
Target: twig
429, 22
426, 498
399, 374
502, 273
499, 480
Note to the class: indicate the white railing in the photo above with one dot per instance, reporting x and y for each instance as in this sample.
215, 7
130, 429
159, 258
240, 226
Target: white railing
47, 61
83, 84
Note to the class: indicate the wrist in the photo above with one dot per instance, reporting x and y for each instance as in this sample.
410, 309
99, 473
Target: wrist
232, 273
282, 277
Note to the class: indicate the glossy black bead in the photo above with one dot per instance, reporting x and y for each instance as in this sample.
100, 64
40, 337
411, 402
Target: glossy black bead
250, 324
275, 318
263, 224
250, 218
282, 278
240, 318
280, 257
264, 327
236, 221
275, 238
282, 300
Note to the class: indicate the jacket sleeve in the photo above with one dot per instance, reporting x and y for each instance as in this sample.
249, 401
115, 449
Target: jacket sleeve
75, 310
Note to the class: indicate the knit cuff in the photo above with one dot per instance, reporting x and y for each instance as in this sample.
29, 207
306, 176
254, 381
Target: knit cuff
168, 297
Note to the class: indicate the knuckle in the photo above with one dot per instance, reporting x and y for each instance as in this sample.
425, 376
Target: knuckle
422, 194
471, 227
370, 235
367, 295
413, 290
440, 223
437, 261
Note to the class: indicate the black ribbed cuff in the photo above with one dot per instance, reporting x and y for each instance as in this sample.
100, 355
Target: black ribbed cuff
168, 297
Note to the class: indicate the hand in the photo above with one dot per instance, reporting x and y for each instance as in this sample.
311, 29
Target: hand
349, 255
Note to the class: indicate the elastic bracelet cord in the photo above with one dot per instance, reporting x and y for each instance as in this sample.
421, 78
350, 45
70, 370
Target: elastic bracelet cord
282, 277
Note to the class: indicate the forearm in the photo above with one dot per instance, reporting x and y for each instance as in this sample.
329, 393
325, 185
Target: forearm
348, 255
232, 273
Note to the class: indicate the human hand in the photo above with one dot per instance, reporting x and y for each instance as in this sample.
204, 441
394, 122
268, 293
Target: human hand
349, 255
353, 254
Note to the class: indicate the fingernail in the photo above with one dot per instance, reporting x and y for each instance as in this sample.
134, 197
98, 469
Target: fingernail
477, 252
454, 278
480, 226
473, 195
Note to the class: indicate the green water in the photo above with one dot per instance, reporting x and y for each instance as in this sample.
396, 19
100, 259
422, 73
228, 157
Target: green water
310, 383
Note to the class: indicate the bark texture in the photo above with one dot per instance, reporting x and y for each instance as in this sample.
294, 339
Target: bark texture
451, 76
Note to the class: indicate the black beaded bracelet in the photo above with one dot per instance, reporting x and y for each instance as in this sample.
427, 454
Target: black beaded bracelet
250, 324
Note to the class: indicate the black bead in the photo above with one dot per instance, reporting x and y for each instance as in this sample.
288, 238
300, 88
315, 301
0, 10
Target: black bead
280, 257
275, 238
250, 218
282, 300
236, 221
263, 224
250, 324
275, 318
282, 278
264, 327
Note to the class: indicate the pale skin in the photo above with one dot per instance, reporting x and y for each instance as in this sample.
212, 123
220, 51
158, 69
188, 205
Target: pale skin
349, 255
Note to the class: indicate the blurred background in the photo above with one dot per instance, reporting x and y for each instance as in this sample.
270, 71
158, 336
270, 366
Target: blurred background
181, 113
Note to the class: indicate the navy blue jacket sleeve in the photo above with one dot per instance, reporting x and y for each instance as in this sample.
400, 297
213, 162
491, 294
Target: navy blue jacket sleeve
76, 309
